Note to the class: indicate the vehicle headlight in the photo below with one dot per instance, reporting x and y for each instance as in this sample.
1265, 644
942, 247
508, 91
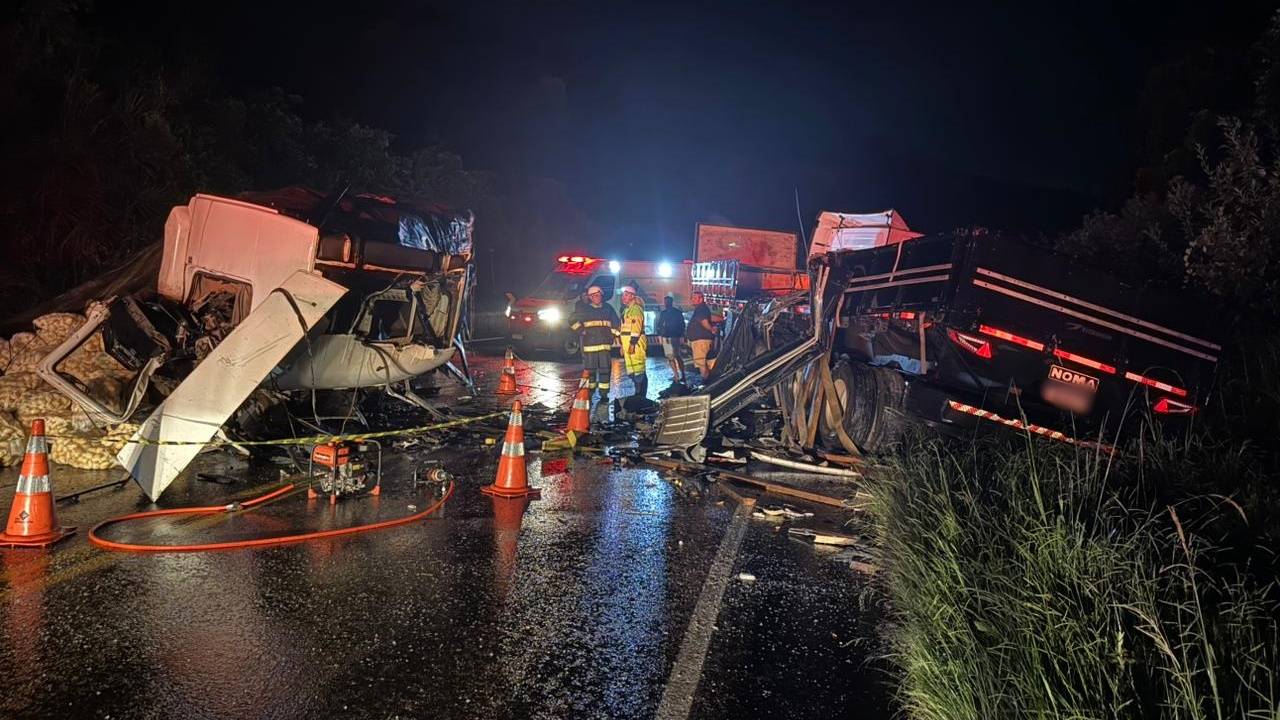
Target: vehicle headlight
549, 315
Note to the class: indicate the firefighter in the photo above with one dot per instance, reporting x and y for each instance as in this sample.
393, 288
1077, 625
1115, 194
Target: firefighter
635, 345
597, 325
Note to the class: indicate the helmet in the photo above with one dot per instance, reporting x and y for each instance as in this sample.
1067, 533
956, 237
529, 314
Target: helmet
628, 289
594, 289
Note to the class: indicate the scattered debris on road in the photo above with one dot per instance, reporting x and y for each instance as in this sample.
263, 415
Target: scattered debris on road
822, 537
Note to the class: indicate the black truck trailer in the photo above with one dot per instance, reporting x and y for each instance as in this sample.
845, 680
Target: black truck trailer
962, 331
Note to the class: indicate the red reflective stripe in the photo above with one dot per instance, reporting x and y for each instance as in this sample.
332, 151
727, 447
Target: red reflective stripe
1029, 427
1005, 335
1082, 360
1155, 384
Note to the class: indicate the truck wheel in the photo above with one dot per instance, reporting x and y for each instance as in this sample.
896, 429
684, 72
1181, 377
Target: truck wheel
570, 346
871, 402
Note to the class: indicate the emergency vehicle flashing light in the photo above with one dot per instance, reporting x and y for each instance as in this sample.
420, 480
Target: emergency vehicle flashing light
576, 264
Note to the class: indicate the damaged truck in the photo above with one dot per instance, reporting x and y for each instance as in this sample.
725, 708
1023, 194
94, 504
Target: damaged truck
272, 295
960, 331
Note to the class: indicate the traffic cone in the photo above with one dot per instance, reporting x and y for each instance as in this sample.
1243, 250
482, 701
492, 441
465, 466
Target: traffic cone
580, 414
32, 519
507, 385
512, 479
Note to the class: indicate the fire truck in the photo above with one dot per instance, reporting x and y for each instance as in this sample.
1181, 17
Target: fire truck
731, 265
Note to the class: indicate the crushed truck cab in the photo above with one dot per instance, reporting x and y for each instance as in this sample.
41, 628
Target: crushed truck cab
272, 293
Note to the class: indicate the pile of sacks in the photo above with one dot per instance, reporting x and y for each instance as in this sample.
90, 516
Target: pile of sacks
75, 439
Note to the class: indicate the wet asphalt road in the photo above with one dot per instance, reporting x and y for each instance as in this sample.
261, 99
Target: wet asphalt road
574, 605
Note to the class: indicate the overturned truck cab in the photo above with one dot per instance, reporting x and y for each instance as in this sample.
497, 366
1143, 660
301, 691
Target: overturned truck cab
270, 293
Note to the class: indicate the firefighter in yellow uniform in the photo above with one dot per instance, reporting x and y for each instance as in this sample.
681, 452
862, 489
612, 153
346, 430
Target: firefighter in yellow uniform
635, 345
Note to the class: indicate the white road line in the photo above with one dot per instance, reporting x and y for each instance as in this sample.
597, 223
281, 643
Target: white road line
677, 697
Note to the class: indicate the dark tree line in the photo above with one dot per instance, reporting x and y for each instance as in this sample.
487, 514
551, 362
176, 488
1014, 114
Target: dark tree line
99, 144
1205, 212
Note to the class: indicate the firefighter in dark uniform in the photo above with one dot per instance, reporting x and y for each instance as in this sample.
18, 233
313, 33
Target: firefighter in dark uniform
598, 325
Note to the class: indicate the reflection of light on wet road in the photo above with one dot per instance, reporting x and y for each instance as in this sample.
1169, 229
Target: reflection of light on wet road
24, 619
627, 575
547, 383
553, 384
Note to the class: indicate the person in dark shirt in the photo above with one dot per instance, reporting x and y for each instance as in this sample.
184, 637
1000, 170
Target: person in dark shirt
671, 331
700, 334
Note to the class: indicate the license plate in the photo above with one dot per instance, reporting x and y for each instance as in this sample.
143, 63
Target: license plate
1073, 378
1069, 390
517, 336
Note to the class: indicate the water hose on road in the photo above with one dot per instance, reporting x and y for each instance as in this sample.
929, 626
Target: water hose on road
105, 544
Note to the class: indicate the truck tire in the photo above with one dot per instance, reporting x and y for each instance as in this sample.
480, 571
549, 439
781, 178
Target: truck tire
570, 346
871, 401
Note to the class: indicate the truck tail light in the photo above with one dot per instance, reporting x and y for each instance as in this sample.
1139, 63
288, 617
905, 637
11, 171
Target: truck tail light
975, 345
1166, 406
1155, 384
1010, 337
1082, 360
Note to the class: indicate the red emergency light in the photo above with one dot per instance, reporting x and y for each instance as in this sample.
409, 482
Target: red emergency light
576, 264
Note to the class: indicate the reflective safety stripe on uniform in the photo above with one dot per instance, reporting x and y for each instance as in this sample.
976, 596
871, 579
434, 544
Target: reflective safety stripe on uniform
596, 348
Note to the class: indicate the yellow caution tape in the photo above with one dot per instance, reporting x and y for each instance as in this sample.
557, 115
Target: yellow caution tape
324, 439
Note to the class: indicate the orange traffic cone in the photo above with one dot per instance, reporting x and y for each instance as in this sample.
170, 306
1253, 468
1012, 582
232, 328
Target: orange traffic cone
32, 520
580, 414
512, 479
507, 385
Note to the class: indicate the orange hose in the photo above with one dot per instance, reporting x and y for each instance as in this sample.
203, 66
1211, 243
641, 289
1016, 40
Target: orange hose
237, 544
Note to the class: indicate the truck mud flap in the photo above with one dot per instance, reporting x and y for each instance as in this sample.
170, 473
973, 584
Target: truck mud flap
682, 421
196, 410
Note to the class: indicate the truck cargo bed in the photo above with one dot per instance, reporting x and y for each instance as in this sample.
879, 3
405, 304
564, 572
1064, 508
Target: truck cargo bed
1022, 331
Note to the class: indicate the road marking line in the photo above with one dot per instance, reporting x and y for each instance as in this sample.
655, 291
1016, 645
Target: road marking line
686, 673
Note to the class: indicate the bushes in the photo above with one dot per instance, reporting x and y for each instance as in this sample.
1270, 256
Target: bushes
1035, 581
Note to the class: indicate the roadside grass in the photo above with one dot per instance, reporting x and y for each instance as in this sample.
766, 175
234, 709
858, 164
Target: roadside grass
1037, 581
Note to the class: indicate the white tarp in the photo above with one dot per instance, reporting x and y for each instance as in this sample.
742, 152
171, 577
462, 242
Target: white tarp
197, 408
849, 231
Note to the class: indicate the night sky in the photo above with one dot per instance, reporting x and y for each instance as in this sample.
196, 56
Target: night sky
658, 116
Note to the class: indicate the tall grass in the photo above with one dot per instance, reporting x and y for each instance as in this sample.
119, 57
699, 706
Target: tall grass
1048, 582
